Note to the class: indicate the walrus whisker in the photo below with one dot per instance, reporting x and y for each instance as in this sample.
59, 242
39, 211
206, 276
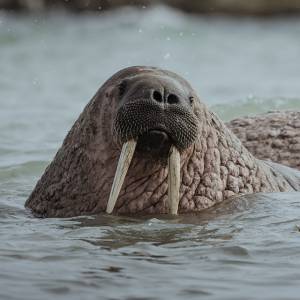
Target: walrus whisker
173, 180
122, 168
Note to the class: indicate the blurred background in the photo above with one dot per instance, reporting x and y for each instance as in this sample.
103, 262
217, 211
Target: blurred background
255, 7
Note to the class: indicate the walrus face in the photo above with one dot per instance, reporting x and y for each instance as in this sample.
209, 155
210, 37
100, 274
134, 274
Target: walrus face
155, 116
157, 112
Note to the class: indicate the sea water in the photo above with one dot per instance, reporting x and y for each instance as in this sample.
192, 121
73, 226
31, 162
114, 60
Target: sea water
51, 65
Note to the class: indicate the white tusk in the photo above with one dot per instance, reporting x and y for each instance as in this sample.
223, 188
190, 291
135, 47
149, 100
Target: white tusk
122, 168
173, 180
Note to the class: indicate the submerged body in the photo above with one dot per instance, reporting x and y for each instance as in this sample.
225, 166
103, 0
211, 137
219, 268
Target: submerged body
158, 110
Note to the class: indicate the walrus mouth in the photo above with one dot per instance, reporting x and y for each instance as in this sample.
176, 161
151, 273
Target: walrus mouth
155, 143
127, 152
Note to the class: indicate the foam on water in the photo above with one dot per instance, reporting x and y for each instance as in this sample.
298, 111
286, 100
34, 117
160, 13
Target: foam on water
50, 67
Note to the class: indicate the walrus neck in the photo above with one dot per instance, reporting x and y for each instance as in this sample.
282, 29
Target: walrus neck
221, 167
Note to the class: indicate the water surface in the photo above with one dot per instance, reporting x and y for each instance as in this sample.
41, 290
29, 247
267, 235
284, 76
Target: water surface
50, 67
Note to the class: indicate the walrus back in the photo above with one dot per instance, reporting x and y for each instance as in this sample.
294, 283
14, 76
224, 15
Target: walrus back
275, 136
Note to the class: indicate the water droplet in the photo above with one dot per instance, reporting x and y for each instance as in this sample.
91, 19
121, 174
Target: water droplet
167, 56
35, 81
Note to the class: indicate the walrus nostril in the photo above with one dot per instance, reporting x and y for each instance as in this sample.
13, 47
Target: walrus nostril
172, 99
157, 96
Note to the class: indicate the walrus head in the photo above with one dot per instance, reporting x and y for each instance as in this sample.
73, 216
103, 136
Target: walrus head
114, 158
155, 117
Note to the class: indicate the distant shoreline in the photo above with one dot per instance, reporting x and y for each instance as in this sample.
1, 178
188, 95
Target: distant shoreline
227, 7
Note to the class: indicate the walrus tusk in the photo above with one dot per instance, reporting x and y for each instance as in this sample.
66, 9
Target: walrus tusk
122, 168
173, 180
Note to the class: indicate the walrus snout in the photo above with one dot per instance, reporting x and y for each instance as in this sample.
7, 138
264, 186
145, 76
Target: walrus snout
147, 103
136, 119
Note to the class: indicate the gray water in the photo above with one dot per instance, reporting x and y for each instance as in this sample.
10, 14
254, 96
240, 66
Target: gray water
50, 67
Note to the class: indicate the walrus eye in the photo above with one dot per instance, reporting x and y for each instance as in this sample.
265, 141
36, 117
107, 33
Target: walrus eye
122, 88
191, 100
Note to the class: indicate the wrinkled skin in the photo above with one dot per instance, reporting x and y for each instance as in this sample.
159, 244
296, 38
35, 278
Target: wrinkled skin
275, 136
214, 164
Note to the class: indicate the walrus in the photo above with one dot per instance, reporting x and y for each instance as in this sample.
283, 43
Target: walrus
146, 144
274, 135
